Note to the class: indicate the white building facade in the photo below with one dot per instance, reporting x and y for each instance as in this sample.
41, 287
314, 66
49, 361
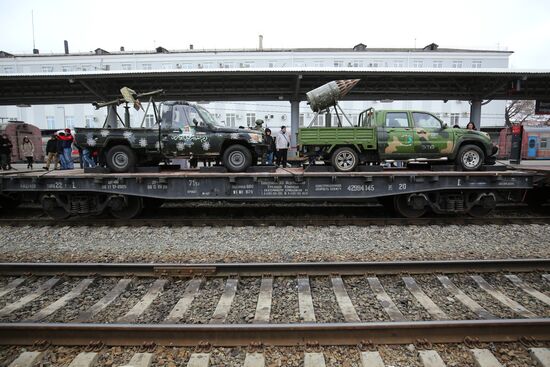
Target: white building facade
275, 113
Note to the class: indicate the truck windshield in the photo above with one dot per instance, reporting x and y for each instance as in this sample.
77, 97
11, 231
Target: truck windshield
207, 117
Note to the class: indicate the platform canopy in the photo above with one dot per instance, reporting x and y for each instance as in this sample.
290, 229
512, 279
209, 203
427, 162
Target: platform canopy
276, 84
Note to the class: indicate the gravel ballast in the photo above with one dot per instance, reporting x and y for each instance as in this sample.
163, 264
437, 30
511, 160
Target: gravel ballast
279, 244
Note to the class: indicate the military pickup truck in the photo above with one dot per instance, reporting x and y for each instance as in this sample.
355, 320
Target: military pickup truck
187, 130
397, 135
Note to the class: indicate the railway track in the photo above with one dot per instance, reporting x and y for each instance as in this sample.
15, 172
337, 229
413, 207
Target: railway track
270, 221
260, 306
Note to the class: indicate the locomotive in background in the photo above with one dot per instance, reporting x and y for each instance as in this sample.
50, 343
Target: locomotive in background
16, 131
535, 142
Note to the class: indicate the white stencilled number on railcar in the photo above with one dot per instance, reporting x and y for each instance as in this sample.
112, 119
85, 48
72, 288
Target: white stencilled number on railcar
356, 188
402, 186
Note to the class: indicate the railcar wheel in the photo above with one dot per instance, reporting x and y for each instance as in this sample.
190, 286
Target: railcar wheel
410, 206
237, 158
470, 158
344, 159
127, 208
121, 158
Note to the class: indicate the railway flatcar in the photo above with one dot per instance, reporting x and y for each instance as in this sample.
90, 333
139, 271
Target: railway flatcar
16, 131
535, 143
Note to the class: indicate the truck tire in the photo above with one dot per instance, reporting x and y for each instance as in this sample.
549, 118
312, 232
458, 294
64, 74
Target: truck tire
237, 158
470, 157
344, 159
121, 158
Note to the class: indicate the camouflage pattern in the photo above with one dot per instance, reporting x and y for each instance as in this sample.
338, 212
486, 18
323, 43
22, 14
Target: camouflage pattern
176, 140
392, 134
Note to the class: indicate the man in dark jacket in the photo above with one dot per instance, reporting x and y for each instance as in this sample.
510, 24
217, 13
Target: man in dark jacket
51, 152
5, 152
270, 146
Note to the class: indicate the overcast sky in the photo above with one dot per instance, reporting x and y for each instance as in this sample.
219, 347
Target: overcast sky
519, 26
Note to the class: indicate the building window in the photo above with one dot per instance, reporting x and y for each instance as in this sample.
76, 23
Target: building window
126, 66
338, 63
89, 120
398, 64
187, 65
230, 119
457, 64
318, 64
356, 63
8, 69
167, 66
250, 119
47, 69
146, 66
301, 119
149, 120
438, 64
418, 63
69, 121
86, 67
543, 143
50, 121
376, 63
476, 64
455, 118
320, 121
207, 65
67, 68
299, 64
247, 64
271, 64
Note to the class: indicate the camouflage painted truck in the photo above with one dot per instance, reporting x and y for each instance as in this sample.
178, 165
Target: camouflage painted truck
397, 135
187, 130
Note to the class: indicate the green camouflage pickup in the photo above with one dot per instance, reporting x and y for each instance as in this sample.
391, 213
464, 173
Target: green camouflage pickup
397, 135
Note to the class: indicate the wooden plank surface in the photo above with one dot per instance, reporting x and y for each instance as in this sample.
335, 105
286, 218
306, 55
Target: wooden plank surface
426, 302
384, 299
464, 299
305, 302
224, 304
104, 302
61, 302
43, 288
185, 301
502, 298
342, 297
527, 288
135, 312
263, 306
11, 286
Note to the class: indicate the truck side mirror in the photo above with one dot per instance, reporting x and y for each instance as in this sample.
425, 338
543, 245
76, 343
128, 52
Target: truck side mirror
445, 125
195, 122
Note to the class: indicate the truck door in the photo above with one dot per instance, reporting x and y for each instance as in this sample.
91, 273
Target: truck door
532, 147
177, 134
431, 139
395, 136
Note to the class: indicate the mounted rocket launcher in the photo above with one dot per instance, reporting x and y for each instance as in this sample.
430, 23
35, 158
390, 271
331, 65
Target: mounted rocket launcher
328, 95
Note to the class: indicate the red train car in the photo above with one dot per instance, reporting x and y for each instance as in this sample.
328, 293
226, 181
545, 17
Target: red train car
535, 143
16, 131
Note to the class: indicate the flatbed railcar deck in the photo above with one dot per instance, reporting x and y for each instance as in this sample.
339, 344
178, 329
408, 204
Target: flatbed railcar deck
84, 193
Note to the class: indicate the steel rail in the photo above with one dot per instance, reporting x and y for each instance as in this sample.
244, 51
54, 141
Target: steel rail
270, 221
506, 330
275, 269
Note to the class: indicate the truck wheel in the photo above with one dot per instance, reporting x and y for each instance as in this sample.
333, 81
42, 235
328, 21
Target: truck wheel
345, 159
237, 158
470, 158
121, 158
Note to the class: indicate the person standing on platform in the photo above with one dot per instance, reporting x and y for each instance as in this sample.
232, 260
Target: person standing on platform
68, 148
51, 152
5, 152
471, 126
60, 147
270, 146
282, 143
27, 148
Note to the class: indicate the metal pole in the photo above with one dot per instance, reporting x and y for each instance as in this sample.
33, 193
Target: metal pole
111, 117
294, 125
475, 113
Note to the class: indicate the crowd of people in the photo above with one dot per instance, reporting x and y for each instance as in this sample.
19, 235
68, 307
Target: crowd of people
59, 150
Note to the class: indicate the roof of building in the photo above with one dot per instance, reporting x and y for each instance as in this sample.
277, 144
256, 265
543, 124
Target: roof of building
358, 48
255, 84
